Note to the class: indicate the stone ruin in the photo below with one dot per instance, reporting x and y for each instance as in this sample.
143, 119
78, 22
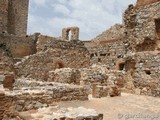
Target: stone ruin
71, 33
38, 71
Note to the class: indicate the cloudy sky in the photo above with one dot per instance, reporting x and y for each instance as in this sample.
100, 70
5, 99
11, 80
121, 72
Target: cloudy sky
91, 16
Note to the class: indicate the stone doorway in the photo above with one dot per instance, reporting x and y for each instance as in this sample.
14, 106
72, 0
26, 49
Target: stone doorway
71, 33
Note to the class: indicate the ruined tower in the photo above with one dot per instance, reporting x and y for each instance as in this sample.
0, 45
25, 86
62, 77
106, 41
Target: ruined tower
17, 17
3, 15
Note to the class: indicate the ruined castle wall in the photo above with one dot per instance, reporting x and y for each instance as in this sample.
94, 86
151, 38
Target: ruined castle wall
5, 103
3, 15
107, 53
146, 72
141, 3
17, 17
71, 33
54, 54
42, 40
141, 27
18, 47
6, 62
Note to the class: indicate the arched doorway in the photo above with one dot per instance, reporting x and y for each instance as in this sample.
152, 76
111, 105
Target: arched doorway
120, 64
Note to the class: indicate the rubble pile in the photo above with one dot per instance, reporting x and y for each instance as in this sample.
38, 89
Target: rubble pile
56, 113
36, 71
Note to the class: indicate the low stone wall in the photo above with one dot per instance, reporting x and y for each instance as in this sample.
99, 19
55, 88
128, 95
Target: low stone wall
28, 95
99, 81
5, 105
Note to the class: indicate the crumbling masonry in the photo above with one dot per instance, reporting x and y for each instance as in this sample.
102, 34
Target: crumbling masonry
74, 35
37, 70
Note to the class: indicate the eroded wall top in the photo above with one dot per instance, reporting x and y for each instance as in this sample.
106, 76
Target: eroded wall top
141, 3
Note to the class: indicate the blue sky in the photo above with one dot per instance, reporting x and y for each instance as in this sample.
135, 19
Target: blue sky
91, 16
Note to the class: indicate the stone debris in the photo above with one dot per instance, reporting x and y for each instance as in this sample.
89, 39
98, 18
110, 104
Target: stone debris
80, 113
38, 71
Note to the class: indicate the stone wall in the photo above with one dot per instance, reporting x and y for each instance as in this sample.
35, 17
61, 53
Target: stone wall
65, 75
74, 35
99, 81
114, 32
141, 25
107, 52
18, 46
54, 54
31, 94
3, 15
6, 62
141, 3
145, 72
42, 41
6, 109
17, 17
14, 15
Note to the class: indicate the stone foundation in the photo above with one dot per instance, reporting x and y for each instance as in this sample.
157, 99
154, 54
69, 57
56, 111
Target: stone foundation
33, 95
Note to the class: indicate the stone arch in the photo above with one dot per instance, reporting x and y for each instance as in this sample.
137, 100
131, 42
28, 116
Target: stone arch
70, 33
58, 64
120, 64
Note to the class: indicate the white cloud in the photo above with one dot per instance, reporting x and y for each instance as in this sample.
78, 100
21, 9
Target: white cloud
61, 9
39, 2
92, 16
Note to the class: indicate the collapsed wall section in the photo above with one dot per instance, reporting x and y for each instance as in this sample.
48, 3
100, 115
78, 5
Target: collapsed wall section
141, 27
54, 54
146, 72
141, 3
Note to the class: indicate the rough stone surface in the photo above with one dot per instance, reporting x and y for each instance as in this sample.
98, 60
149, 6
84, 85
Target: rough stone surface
38, 71
141, 3
14, 16
141, 25
146, 72
74, 33
107, 52
55, 55
115, 32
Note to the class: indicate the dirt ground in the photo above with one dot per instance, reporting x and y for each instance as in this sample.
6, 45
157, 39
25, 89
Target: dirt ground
126, 107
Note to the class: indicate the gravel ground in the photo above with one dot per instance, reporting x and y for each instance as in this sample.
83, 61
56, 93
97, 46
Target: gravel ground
126, 107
